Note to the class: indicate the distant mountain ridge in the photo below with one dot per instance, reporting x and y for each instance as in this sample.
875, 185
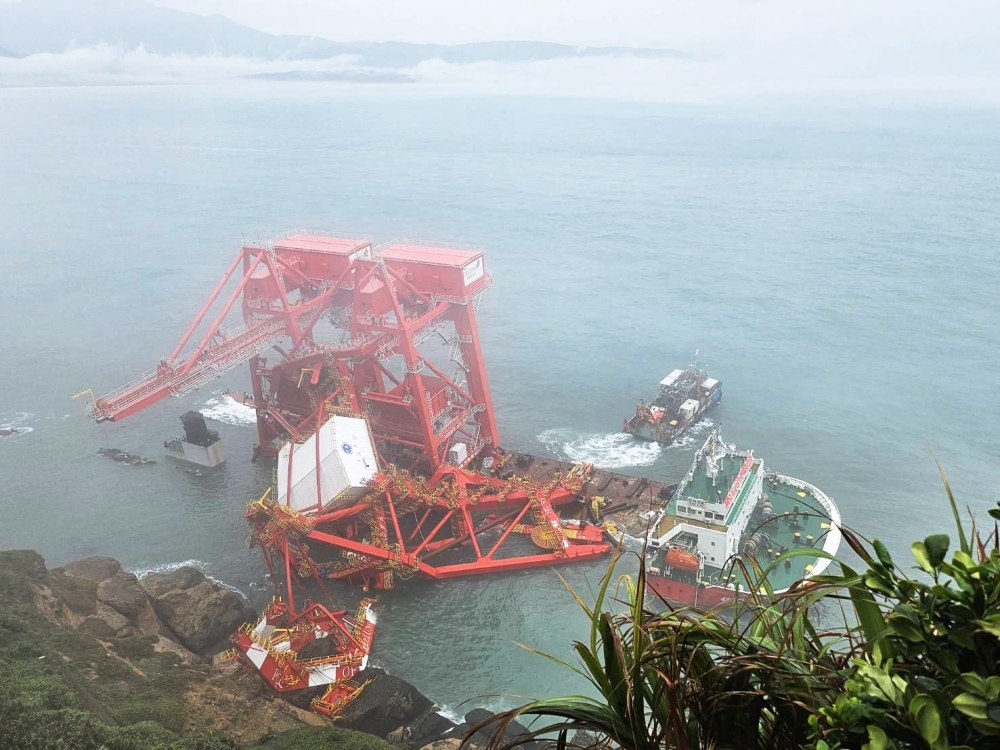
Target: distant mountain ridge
38, 26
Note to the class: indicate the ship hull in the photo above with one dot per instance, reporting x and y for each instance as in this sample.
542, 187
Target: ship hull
679, 592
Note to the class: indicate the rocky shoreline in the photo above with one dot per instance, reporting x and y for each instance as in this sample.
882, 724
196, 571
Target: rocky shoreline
177, 625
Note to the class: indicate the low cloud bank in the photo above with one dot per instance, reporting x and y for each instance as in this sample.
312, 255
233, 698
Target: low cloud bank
108, 65
696, 80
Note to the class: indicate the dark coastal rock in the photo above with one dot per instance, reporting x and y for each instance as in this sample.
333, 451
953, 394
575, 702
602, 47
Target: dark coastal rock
450, 743
199, 612
590, 741
430, 729
115, 620
387, 704
157, 584
515, 734
148, 623
94, 569
122, 593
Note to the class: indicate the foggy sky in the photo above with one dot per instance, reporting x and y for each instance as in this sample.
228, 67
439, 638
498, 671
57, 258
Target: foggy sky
918, 49
891, 36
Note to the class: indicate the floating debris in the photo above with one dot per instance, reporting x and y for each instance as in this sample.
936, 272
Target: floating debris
125, 457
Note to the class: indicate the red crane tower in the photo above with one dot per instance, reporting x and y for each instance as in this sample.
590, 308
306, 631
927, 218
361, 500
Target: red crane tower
385, 304
360, 382
372, 332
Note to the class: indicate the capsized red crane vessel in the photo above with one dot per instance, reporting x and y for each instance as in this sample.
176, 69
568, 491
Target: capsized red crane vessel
387, 335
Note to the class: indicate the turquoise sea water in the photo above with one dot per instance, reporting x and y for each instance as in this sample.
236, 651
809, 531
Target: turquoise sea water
837, 266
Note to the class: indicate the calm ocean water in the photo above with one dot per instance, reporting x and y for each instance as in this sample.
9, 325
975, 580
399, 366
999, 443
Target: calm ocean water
837, 267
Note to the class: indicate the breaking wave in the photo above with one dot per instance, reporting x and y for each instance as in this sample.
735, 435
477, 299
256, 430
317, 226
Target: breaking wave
612, 450
144, 570
495, 705
695, 434
17, 421
222, 408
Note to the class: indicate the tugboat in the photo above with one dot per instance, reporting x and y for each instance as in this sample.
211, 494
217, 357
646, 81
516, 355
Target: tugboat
684, 397
727, 508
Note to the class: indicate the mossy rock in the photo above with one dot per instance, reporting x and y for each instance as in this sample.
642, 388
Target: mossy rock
98, 628
79, 594
320, 738
19, 569
94, 569
135, 647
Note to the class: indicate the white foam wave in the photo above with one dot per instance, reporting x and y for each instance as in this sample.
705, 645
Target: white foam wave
222, 408
17, 421
694, 435
612, 450
493, 704
142, 571
451, 714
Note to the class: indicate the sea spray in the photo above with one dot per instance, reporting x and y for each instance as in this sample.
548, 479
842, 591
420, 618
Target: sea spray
612, 450
141, 571
16, 421
222, 408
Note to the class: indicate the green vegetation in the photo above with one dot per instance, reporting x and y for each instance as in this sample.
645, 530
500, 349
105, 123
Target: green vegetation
313, 738
63, 689
911, 663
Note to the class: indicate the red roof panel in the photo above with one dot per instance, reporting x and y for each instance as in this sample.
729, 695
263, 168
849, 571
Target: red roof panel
437, 256
320, 243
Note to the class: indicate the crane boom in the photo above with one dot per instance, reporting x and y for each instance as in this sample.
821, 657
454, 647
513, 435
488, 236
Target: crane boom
267, 280
175, 378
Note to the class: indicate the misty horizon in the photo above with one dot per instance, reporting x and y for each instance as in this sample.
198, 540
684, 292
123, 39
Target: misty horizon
132, 42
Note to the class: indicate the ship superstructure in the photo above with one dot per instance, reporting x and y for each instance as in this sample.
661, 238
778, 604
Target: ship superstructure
728, 507
681, 401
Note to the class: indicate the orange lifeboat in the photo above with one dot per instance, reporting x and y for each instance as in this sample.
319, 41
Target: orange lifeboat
678, 558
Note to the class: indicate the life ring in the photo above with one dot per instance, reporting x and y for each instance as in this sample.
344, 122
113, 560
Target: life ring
348, 672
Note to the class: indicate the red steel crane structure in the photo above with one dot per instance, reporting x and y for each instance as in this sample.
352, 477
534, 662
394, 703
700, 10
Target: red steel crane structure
384, 304
387, 466
372, 332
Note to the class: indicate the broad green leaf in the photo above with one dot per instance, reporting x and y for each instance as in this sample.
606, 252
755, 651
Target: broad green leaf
928, 721
883, 553
970, 682
993, 687
905, 629
937, 547
993, 712
971, 705
877, 739
877, 584
963, 560
990, 627
920, 554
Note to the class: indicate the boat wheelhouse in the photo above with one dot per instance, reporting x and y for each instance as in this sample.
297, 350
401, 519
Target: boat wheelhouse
681, 401
727, 508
